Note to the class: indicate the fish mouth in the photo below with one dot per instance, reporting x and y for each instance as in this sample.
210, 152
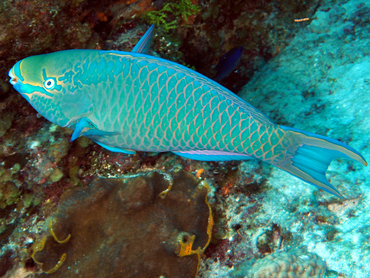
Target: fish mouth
13, 79
16, 81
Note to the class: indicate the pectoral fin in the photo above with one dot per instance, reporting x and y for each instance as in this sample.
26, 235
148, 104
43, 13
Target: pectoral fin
84, 127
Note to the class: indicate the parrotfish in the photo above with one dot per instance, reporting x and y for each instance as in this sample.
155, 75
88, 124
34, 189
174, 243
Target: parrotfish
131, 101
228, 63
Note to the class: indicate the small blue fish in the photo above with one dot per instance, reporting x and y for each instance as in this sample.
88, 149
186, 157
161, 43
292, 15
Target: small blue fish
228, 63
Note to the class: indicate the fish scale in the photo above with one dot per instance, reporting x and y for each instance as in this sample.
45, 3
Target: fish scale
160, 113
130, 102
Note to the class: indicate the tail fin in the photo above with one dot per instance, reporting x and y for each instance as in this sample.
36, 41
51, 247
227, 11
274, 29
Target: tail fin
310, 155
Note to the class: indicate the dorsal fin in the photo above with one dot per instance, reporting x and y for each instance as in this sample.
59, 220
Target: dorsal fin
145, 42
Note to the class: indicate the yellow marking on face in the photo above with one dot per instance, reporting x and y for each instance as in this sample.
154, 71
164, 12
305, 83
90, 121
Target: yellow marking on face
36, 93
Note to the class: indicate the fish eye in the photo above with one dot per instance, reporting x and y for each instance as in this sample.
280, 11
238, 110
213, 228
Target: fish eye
49, 83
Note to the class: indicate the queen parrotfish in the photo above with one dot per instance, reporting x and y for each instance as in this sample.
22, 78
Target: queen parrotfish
131, 101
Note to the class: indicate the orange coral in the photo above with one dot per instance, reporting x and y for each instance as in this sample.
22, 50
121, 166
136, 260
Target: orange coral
199, 173
101, 16
226, 189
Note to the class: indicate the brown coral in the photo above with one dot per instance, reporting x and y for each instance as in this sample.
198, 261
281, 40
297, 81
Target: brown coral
294, 264
124, 227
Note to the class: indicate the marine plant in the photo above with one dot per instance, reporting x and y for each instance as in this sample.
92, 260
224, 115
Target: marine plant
171, 14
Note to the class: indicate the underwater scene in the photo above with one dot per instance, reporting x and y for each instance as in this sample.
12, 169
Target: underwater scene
185, 138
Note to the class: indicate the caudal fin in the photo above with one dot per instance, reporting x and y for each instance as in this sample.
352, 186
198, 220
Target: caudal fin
310, 155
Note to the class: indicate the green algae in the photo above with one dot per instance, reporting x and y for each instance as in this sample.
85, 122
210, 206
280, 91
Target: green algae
170, 15
56, 175
27, 199
84, 142
9, 194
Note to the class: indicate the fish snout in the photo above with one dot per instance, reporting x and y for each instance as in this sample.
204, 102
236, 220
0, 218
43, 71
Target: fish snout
13, 79
15, 74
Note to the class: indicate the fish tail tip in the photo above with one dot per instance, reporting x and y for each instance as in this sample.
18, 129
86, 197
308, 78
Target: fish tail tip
311, 155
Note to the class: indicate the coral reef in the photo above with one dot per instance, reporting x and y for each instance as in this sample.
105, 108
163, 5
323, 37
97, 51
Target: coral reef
318, 83
263, 28
293, 264
54, 27
126, 226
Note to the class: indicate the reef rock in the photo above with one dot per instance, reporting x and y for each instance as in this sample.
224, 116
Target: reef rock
294, 264
128, 227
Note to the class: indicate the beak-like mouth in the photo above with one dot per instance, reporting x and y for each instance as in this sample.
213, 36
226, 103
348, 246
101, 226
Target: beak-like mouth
13, 79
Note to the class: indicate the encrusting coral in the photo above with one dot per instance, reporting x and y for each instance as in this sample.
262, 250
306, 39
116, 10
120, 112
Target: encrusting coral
294, 264
126, 226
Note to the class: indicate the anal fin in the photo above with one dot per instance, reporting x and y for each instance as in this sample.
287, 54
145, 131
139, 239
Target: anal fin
115, 149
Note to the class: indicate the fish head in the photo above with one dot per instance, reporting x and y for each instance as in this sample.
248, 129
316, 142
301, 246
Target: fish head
46, 82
